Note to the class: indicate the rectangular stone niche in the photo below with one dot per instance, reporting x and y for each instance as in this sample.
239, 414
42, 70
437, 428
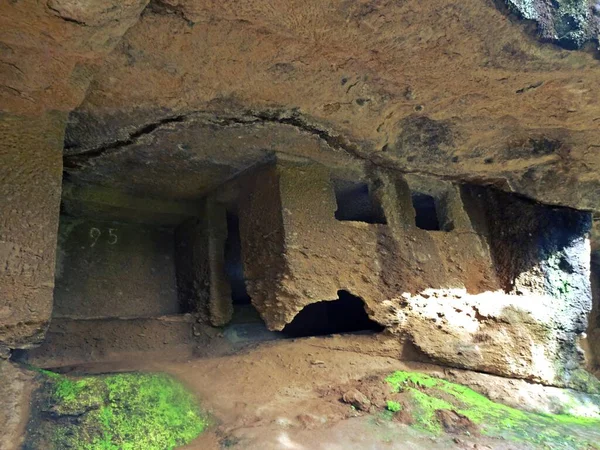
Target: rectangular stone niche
129, 270
115, 269
121, 261
355, 202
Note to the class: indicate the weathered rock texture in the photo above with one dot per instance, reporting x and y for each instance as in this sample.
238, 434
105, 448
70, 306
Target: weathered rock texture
505, 289
69, 342
311, 255
541, 256
201, 280
172, 99
15, 390
111, 269
46, 64
30, 172
450, 88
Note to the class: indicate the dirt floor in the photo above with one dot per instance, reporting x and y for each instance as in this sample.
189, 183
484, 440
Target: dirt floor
287, 394
15, 393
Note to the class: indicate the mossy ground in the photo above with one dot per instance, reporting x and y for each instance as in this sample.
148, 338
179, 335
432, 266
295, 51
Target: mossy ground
127, 411
426, 394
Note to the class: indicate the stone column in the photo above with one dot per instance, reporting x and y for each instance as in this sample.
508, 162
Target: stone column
49, 52
263, 244
220, 305
30, 185
200, 261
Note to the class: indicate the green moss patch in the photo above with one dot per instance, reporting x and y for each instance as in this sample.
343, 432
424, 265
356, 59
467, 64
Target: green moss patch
114, 412
425, 395
393, 406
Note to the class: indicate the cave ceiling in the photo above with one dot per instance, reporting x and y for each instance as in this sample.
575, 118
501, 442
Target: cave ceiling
481, 91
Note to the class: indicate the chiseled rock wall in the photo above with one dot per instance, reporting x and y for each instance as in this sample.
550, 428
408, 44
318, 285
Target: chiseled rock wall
30, 178
534, 326
47, 58
449, 89
114, 269
202, 284
506, 291
296, 252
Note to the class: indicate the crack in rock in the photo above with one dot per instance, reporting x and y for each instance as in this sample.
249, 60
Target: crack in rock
283, 117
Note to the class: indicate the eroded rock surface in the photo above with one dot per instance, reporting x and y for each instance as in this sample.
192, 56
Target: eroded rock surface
16, 388
47, 59
452, 89
172, 99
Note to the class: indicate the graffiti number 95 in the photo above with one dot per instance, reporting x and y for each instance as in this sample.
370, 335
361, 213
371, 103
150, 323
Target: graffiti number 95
95, 234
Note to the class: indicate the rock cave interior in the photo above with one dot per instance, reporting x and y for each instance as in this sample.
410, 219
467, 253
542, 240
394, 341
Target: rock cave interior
299, 224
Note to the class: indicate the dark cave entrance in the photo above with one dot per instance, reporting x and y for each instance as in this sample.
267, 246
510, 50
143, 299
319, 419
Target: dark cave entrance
246, 320
426, 217
345, 315
234, 267
356, 203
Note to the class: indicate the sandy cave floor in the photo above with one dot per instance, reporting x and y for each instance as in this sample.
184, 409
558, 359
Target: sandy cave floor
286, 395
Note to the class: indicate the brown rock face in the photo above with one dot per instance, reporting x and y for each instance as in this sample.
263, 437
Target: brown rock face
454, 422
15, 390
171, 100
28, 224
452, 89
357, 399
46, 62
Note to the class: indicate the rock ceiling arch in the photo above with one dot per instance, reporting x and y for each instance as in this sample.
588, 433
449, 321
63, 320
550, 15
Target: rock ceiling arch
447, 88
170, 98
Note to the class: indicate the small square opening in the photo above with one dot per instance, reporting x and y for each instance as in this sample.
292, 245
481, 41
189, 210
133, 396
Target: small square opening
426, 215
355, 203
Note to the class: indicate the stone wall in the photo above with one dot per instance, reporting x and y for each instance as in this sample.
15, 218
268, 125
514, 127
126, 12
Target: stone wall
47, 58
320, 255
504, 290
201, 280
121, 255
30, 173
522, 131
133, 275
533, 327
114, 269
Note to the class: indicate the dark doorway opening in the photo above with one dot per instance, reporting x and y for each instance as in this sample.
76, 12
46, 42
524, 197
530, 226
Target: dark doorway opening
355, 203
426, 216
234, 268
345, 315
